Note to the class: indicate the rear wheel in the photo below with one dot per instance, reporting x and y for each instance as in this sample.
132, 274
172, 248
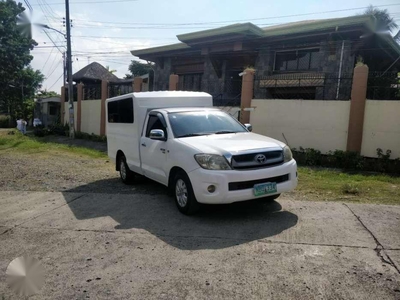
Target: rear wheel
184, 195
125, 174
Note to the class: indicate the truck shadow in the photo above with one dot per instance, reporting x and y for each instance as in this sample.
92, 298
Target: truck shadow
148, 207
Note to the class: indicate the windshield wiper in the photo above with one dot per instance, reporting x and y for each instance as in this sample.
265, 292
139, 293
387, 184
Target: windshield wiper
225, 132
192, 134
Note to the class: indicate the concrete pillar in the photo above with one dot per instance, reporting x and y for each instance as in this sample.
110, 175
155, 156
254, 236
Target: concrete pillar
62, 105
104, 96
247, 95
79, 106
357, 108
173, 82
137, 84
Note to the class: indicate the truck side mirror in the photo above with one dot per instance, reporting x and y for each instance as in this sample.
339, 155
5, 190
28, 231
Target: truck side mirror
157, 134
249, 127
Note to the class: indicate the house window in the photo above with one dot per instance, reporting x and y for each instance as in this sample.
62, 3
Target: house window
298, 60
120, 111
52, 110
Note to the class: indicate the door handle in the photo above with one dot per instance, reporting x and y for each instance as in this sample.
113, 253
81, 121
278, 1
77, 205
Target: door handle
143, 144
162, 150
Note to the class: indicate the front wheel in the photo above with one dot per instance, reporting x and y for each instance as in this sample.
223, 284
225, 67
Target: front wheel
125, 174
184, 195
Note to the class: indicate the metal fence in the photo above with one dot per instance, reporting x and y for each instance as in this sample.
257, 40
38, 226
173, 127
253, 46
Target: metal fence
75, 94
92, 91
119, 88
315, 86
383, 86
225, 93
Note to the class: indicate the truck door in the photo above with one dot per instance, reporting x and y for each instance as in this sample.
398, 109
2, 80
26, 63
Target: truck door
153, 152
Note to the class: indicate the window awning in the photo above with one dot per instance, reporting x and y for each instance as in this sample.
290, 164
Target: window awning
293, 80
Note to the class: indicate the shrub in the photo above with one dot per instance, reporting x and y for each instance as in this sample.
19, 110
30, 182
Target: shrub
79, 134
90, 137
40, 131
59, 129
5, 122
350, 189
348, 160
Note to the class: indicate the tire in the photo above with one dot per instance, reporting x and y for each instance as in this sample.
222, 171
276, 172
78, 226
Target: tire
269, 199
125, 174
184, 195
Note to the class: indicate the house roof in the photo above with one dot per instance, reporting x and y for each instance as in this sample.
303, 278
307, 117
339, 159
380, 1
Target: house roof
167, 48
49, 99
249, 30
94, 71
317, 25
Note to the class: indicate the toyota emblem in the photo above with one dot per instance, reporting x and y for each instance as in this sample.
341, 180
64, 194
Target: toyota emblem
260, 158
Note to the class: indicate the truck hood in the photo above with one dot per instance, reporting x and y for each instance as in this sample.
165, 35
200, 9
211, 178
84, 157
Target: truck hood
231, 143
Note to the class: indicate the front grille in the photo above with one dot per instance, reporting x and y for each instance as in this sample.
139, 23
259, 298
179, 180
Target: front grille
249, 160
243, 185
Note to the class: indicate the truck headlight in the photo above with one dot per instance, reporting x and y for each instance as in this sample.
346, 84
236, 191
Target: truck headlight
287, 154
212, 162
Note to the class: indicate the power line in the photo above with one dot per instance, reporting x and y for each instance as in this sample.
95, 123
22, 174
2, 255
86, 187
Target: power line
246, 20
92, 2
55, 68
145, 27
28, 5
47, 13
114, 43
56, 81
53, 41
41, 47
47, 60
122, 37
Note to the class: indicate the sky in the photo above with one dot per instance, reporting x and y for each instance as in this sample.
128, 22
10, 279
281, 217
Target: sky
105, 31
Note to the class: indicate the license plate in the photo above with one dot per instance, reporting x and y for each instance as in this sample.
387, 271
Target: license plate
265, 188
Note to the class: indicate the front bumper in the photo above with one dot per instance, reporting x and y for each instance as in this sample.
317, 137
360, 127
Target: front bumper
201, 179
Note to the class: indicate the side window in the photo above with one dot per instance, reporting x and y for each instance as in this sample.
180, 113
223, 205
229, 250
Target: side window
154, 123
120, 111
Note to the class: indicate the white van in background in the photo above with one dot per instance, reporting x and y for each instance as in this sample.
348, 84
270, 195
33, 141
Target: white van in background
203, 154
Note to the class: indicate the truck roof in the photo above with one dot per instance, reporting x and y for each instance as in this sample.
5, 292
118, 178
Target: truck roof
163, 94
184, 109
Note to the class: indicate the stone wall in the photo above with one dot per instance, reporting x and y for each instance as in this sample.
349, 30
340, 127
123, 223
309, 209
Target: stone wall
330, 65
264, 67
210, 82
163, 69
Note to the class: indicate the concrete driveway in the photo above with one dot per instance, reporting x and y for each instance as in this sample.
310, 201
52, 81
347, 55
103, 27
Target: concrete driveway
138, 246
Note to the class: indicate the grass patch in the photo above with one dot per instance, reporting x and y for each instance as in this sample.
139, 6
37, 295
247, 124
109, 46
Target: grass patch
334, 185
314, 183
27, 144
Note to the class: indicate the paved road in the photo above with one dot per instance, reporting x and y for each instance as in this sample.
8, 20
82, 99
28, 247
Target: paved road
138, 246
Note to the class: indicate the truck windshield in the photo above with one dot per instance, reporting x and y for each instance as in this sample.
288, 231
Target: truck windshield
195, 123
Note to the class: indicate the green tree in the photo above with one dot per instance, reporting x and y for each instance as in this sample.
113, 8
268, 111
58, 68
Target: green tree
24, 88
111, 71
138, 69
47, 94
18, 81
384, 22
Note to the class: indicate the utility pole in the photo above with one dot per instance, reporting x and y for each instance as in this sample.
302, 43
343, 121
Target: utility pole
69, 72
64, 70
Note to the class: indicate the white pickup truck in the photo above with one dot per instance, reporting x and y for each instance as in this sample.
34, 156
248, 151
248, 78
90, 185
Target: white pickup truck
201, 153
